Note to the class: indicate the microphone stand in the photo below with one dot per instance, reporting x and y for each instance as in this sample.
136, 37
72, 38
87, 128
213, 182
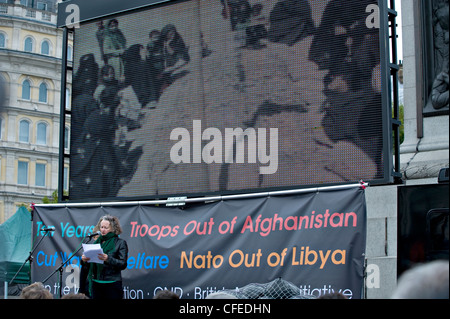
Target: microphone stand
30, 256
60, 268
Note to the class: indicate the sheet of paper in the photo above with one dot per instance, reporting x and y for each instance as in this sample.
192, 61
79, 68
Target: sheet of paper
91, 251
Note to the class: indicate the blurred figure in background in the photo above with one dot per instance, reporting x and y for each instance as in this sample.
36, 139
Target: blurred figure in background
35, 291
424, 281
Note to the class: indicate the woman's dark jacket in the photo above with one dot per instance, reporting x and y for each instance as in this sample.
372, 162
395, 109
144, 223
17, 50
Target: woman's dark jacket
117, 261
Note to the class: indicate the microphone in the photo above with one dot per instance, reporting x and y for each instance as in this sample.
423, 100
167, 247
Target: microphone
94, 234
48, 229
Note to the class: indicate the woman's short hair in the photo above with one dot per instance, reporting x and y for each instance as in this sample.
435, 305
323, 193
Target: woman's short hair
114, 222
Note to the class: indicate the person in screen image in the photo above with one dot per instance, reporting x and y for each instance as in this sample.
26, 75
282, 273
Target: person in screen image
114, 45
290, 22
155, 61
137, 73
92, 119
105, 280
94, 176
175, 53
326, 114
86, 77
239, 12
106, 91
100, 35
349, 51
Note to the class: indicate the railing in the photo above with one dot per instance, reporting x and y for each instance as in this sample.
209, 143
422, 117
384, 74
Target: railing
28, 13
4, 8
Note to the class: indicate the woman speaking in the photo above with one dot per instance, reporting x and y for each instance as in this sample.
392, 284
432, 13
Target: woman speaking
105, 280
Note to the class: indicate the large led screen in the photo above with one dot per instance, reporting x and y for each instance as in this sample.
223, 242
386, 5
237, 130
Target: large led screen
202, 97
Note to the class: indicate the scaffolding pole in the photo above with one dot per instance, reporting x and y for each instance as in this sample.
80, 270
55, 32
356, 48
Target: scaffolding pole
179, 201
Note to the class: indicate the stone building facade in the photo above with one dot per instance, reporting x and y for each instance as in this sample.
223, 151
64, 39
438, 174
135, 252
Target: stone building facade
30, 68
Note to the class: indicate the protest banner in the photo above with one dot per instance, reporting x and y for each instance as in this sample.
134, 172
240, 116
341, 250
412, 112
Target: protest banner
315, 241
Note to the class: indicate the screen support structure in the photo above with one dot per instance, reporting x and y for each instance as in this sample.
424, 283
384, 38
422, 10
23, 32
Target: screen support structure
183, 200
62, 113
387, 19
394, 69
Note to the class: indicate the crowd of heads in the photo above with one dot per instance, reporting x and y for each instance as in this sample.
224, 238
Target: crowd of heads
424, 281
37, 290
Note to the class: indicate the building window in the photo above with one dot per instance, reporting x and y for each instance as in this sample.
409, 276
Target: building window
41, 136
66, 138
2, 40
4, 9
22, 173
45, 47
41, 6
43, 93
66, 179
40, 174
68, 102
24, 131
69, 53
28, 44
26, 90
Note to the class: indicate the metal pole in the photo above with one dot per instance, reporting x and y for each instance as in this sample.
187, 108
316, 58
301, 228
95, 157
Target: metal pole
208, 199
62, 115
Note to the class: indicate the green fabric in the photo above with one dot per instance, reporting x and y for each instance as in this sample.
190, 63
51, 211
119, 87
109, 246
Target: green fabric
103, 281
15, 246
107, 243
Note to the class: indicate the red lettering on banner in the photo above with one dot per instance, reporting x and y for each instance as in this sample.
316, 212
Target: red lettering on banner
153, 231
204, 228
314, 221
